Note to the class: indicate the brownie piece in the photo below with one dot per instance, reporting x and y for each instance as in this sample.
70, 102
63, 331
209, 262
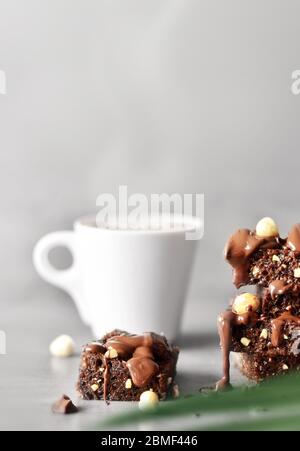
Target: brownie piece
263, 328
121, 366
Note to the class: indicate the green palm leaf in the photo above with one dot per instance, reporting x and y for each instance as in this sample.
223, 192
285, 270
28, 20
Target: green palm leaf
275, 404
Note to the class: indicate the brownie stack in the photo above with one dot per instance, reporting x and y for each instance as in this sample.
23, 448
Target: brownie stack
121, 366
264, 328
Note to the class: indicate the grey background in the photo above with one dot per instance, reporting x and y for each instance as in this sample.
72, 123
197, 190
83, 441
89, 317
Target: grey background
161, 95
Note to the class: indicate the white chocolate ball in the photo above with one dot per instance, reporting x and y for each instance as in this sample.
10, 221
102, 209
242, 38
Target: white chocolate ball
266, 228
243, 302
62, 346
148, 400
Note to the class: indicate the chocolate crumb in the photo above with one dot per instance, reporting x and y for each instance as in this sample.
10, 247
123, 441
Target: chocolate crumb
64, 406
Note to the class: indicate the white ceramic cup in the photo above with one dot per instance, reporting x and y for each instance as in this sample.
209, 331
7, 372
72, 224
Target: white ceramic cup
126, 279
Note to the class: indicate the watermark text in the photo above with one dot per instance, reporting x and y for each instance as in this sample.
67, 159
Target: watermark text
167, 212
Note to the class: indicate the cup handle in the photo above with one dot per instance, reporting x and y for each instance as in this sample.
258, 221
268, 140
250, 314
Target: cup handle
67, 279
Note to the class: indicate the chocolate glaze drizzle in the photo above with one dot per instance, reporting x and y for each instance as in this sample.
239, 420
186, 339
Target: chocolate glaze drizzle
278, 287
106, 375
226, 322
238, 250
141, 365
293, 239
277, 327
95, 347
138, 352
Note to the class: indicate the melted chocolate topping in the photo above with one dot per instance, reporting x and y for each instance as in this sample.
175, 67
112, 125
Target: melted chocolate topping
226, 322
278, 287
238, 250
277, 326
125, 345
293, 239
95, 347
142, 369
138, 352
144, 352
106, 378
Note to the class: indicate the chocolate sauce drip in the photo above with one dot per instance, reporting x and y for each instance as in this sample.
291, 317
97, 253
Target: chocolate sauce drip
277, 326
279, 287
106, 378
140, 348
144, 352
226, 322
293, 239
126, 344
95, 347
142, 370
238, 250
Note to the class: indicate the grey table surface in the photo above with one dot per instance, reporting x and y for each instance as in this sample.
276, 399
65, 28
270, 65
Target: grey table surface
30, 379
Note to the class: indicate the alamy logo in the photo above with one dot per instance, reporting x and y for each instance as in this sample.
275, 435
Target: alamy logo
2, 82
155, 212
295, 87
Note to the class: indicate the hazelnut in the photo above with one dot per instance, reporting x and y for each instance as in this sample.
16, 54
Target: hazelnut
297, 273
62, 346
94, 387
148, 400
285, 367
111, 353
264, 334
245, 341
255, 271
128, 384
245, 301
276, 259
267, 228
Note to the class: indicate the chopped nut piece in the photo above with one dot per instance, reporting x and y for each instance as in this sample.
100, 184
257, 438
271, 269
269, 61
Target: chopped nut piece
128, 384
245, 341
275, 258
285, 337
255, 271
111, 353
285, 367
297, 273
94, 387
264, 334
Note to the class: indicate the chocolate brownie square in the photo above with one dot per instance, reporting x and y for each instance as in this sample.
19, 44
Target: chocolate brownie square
263, 328
121, 366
